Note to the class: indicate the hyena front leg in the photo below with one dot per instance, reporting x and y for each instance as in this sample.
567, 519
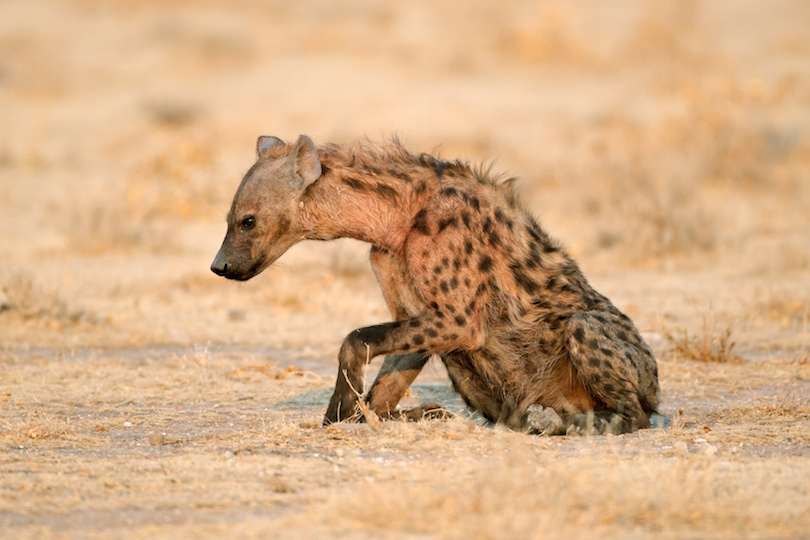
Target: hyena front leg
398, 371
395, 377
415, 335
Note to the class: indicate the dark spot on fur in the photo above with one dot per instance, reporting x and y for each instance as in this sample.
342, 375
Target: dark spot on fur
452, 337
415, 323
450, 308
439, 325
445, 262
579, 334
354, 183
398, 173
387, 192
449, 192
449, 222
418, 339
468, 247
525, 282
460, 320
487, 225
434, 305
594, 361
606, 352
420, 222
494, 239
593, 344
420, 187
468, 311
485, 264
431, 332
443, 286
465, 218
456, 263
437, 269
534, 231
622, 335
454, 283
475, 203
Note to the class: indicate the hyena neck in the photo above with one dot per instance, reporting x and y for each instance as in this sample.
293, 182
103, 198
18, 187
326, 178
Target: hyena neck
374, 204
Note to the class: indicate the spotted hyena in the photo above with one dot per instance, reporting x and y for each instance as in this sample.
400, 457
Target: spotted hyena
468, 275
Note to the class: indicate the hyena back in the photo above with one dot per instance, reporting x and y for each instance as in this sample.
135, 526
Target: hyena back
467, 274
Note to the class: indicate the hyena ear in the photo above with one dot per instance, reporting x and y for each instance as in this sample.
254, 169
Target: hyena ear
306, 161
267, 143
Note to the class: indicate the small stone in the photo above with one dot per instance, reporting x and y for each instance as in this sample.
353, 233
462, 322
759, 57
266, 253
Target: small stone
236, 314
156, 439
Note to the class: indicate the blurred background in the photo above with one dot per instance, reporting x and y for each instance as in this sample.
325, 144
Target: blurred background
665, 143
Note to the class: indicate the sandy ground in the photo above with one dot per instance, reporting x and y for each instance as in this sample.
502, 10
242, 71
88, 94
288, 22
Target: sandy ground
667, 145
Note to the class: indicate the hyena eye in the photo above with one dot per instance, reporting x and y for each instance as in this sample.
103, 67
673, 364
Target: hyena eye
248, 223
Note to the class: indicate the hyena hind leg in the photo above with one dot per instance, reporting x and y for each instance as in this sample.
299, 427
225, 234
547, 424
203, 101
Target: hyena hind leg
617, 368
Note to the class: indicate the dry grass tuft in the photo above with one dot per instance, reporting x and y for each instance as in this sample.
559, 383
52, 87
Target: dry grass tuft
30, 300
711, 344
787, 404
36, 426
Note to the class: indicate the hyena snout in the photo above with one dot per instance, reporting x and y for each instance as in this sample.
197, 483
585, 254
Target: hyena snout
225, 265
219, 267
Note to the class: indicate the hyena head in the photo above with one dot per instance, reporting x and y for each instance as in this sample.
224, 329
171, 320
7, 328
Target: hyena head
263, 220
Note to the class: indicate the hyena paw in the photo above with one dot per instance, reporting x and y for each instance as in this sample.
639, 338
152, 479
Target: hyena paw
427, 411
544, 421
342, 410
599, 423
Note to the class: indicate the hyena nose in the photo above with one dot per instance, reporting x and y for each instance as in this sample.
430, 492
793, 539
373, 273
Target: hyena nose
219, 267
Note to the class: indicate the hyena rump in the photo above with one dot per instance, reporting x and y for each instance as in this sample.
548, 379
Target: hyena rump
467, 274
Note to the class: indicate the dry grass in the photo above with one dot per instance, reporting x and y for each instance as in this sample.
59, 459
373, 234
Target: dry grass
712, 343
31, 300
201, 434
